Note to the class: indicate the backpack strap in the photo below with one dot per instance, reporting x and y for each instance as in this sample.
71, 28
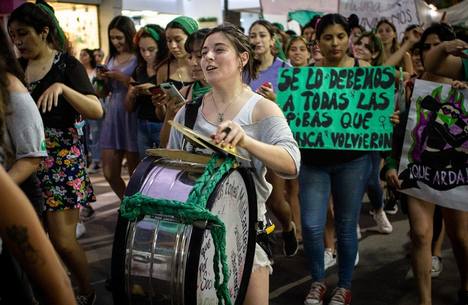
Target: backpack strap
191, 111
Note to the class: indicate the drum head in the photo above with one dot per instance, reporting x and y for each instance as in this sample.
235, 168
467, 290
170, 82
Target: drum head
158, 260
234, 201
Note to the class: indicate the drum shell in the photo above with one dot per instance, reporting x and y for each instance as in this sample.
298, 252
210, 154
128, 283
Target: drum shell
162, 255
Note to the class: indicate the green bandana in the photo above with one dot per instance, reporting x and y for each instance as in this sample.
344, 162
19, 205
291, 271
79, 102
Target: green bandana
61, 34
153, 33
198, 89
189, 25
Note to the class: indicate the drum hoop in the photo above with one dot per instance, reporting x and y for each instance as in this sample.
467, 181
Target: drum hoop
193, 258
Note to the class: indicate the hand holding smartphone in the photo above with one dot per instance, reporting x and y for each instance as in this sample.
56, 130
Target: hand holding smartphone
172, 91
102, 68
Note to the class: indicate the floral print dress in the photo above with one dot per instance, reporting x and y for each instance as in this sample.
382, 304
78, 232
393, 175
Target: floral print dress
62, 176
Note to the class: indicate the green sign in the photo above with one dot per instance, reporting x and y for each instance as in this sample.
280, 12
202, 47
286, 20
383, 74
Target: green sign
339, 108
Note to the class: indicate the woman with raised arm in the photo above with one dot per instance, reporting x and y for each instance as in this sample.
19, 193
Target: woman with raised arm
450, 59
119, 129
421, 212
387, 33
234, 115
62, 91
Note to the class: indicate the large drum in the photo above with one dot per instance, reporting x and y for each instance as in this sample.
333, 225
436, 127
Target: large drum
159, 260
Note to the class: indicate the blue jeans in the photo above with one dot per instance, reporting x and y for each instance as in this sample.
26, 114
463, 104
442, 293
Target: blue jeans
346, 182
374, 189
148, 135
93, 141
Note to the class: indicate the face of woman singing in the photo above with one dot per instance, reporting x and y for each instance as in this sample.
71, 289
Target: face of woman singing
298, 54
117, 39
220, 61
148, 49
175, 42
261, 39
334, 42
27, 40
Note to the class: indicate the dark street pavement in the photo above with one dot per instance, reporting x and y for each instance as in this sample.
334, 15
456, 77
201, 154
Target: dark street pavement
379, 278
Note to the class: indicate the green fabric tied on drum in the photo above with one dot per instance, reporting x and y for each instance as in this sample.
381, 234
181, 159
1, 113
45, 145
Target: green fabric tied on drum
194, 209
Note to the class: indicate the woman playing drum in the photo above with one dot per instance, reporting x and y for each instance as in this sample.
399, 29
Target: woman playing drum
233, 115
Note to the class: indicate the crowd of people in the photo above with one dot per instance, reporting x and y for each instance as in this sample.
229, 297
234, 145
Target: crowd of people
63, 118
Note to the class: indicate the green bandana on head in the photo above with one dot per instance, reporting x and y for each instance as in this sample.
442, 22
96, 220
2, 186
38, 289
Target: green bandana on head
189, 25
153, 33
50, 12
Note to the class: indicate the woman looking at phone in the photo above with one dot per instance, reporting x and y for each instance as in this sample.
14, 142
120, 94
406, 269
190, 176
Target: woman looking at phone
62, 91
119, 129
152, 49
191, 92
176, 69
261, 36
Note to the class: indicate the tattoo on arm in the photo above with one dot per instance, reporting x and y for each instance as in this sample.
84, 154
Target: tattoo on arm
19, 237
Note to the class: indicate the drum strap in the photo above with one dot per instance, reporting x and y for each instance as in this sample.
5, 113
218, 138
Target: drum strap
192, 212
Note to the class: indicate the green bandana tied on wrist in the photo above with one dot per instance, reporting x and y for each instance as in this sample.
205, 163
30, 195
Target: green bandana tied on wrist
188, 25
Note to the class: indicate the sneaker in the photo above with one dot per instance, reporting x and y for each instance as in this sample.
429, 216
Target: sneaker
391, 206
437, 266
86, 212
290, 242
329, 258
341, 296
80, 229
316, 294
94, 168
86, 299
383, 224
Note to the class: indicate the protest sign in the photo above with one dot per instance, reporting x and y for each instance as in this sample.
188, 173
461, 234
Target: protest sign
339, 108
434, 160
400, 13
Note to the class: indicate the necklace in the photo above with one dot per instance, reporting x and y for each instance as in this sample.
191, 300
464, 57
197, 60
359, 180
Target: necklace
220, 114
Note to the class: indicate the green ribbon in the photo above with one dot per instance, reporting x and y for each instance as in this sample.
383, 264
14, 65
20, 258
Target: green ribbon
194, 209
60, 33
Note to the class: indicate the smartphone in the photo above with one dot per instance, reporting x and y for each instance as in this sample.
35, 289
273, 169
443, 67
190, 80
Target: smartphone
155, 90
102, 68
172, 91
